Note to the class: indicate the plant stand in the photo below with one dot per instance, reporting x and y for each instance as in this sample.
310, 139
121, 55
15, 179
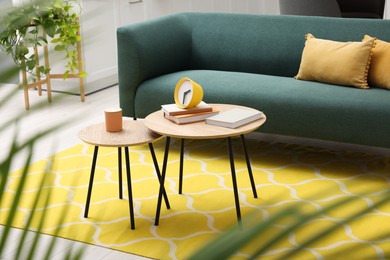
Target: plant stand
38, 82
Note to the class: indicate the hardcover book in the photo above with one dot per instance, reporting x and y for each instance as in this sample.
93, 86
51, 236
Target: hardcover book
190, 118
234, 118
173, 109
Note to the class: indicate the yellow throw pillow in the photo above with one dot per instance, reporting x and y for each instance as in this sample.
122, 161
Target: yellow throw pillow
379, 72
341, 63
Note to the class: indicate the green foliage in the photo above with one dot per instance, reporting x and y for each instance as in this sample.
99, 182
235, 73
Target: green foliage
24, 26
22, 150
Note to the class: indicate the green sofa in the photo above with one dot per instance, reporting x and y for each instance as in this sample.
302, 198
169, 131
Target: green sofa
251, 60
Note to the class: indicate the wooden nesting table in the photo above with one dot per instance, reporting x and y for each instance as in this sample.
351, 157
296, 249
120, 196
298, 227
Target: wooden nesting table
134, 133
200, 130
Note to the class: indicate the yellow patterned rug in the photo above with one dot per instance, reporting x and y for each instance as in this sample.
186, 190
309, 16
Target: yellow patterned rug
284, 174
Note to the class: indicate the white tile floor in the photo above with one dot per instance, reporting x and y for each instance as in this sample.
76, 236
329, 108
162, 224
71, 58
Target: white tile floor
62, 247
78, 114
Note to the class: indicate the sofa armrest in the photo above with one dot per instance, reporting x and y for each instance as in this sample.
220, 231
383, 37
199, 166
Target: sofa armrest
150, 49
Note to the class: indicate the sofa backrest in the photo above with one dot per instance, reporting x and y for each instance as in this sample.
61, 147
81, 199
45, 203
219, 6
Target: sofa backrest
268, 44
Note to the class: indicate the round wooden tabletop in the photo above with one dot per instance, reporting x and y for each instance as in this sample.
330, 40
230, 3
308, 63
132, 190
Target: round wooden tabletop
199, 130
134, 133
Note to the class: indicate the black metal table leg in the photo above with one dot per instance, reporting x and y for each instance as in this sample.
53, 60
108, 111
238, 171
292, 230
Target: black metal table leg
164, 169
181, 166
120, 172
95, 153
129, 190
234, 180
248, 164
158, 173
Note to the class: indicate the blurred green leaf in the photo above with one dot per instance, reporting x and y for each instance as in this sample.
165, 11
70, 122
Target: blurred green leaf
60, 48
234, 239
83, 74
23, 149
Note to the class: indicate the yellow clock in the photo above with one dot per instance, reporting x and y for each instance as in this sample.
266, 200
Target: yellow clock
188, 93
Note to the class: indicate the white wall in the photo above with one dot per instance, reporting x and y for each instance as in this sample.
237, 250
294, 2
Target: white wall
6, 61
386, 14
155, 8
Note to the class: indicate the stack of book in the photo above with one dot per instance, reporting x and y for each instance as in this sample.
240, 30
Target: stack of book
188, 115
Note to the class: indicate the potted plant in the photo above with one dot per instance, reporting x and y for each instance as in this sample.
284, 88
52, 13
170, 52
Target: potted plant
27, 26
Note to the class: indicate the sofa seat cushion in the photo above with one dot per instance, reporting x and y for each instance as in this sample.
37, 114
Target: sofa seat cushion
288, 104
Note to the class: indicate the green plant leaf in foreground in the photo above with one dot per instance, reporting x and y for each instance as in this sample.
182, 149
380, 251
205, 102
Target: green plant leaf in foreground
23, 150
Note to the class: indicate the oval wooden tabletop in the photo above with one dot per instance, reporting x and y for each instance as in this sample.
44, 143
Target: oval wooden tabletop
134, 133
199, 130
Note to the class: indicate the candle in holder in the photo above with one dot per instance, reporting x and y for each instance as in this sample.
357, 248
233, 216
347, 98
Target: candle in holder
113, 119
